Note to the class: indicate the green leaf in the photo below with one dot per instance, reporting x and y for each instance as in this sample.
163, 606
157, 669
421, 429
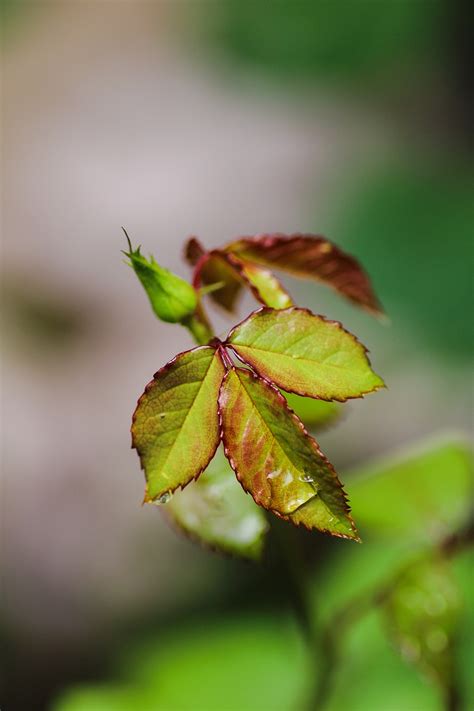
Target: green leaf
171, 298
314, 257
175, 426
241, 662
215, 510
316, 414
305, 354
263, 284
276, 460
422, 612
429, 490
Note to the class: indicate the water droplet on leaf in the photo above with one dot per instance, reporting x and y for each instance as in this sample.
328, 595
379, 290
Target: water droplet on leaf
163, 499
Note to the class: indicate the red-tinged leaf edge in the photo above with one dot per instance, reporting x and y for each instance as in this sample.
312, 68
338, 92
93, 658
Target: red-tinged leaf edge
367, 299
148, 386
314, 445
267, 309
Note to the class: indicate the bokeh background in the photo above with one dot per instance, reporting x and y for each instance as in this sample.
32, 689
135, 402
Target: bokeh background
349, 118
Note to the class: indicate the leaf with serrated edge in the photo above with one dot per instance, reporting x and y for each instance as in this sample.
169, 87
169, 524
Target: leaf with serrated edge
310, 256
175, 426
216, 511
304, 354
275, 459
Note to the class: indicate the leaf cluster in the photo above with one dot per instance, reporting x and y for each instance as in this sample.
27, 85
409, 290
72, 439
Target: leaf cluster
234, 390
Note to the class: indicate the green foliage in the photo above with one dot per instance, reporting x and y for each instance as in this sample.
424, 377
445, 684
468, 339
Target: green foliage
175, 427
429, 492
422, 611
215, 510
255, 661
200, 397
305, 354
263, 284
246, 663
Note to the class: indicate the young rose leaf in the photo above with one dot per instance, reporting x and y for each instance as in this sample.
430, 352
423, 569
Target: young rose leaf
310, 256
305, 354
232, 273
328, 512
275, 459
216, 269
215, 510
315, 414
172, 299
263, 284
193, 251
175, 427
422, 612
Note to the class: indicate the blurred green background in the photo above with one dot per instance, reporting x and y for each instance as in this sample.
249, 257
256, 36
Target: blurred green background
349, 118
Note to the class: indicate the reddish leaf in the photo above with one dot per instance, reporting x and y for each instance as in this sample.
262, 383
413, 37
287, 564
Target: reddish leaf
215, 268
276, 460
193, 251
310, 256
232, 273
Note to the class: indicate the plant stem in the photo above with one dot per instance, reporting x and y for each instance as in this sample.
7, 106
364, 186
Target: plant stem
199, 326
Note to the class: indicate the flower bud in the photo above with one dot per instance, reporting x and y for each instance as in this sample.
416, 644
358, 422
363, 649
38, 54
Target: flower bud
172, 299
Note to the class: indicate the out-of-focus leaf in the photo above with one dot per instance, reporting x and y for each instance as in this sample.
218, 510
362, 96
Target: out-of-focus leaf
215, 510
305, 354
422, 612
425, 494
263, 284
392, 686
239, 663
216, 269
313, 257
314, 413
276, 460
175, 426
193, 251
172, 299
105, 697
231, 273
